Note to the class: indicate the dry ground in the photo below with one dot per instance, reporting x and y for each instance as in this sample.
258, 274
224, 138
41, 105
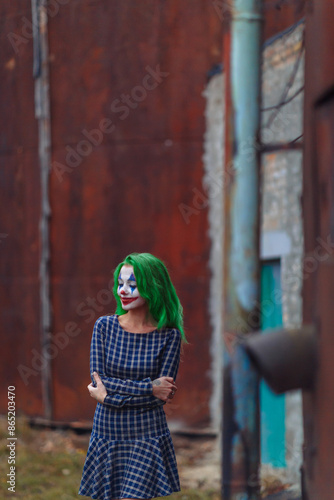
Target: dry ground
49, 465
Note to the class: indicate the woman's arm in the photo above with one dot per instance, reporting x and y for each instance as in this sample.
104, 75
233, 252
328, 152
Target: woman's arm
171, 355
119, 400
164, 386
113, 385
162, 389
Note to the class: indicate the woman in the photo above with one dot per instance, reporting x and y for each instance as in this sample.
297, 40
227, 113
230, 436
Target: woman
134, 361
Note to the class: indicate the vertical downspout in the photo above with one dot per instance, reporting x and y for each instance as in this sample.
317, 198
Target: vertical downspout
42, 113
241, 435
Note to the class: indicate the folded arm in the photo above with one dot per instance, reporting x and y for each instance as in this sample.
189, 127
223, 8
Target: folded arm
112, 384
119, 393
119, 401
169, 368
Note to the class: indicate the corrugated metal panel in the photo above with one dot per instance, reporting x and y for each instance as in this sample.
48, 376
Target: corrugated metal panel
124, 195
20, 214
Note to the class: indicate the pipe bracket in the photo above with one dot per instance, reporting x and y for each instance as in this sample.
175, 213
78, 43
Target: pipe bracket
247, 16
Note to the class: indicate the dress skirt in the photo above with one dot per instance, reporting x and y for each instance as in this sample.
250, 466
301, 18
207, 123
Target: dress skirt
140, 465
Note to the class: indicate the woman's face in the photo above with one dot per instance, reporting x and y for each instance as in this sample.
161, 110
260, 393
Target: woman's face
127, 289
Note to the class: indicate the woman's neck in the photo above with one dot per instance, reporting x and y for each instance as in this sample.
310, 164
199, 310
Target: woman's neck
138, 317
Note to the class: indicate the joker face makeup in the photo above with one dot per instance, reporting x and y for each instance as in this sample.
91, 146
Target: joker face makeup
127, 289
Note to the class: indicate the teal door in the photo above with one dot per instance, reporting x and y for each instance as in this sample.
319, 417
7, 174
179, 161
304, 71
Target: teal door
272, 406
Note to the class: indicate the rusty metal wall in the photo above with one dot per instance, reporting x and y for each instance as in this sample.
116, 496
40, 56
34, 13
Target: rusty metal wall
20, 198
124, 195
115, 187
318, 207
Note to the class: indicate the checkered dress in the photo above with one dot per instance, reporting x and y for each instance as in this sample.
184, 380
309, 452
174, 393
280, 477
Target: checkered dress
130, 452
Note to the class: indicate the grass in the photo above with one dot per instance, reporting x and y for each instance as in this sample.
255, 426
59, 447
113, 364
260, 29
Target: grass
49, 466
44, 469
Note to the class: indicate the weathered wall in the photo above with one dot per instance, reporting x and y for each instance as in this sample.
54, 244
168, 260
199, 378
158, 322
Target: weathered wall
127, 124
133, 184
282, 233
280, 15
318, 210
20, 185
283, 78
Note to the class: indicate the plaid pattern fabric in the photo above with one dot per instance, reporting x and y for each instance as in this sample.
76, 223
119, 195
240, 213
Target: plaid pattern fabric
131, 453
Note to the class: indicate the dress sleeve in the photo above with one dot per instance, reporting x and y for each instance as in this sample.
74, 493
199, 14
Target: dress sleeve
113, 385
171, 355
120, 400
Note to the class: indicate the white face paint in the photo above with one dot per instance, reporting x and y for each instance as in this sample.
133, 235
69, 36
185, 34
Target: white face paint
127, 289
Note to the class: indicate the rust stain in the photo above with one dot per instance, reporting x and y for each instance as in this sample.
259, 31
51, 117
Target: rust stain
10, 64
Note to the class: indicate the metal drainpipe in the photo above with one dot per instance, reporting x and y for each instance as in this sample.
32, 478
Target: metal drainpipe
241, 436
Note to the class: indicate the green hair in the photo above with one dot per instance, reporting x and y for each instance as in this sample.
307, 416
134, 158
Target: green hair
156, 287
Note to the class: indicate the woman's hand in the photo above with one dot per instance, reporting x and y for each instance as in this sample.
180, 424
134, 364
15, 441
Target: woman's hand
99, 392
164, 388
